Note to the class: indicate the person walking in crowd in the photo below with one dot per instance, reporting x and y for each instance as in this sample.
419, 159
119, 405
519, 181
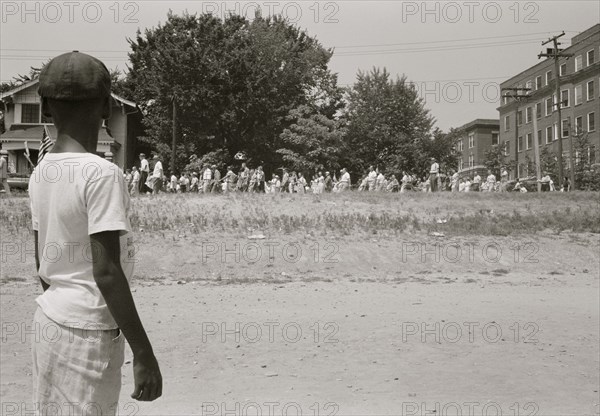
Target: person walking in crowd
144, 173
491, 182
285, 180
4, 171
206, 179
292, 182
503, 179
134, 189
393, 184
371, 178
434, 172
454, 182
406, 182
566, 185
128, 177
194, 182
380, 182
216, 181
328, 182
157, 176
301, 186
476, 182
243, 178
344, 182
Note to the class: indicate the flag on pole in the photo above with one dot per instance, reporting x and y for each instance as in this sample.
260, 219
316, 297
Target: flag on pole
45, 146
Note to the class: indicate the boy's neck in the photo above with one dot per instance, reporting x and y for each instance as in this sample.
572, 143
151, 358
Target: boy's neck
76, 142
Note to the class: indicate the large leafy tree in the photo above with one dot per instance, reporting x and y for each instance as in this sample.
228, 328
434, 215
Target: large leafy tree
388, 123
233, 81
313, 142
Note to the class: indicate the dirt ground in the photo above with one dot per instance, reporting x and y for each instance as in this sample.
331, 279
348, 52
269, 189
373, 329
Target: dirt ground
295, 323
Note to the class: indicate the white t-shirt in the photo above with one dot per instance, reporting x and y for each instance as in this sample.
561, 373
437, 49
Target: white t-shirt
144, 166
74, 195
345, 178
158, 169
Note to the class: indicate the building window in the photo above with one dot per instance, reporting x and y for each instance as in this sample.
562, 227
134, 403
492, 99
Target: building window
578, 94
529, 137
579, 125
548, 106
538, 82
528, 114
30, 113
529, 86
539, 138
538, 110
519, 144
548, 134
591, 123
506, 147
471, 140
565, 129
495, 138
519, 118
564, 98
548, 77
461, 164
505, 99
471, 161
555, 134
590, 90
590, 57
506, 123
563, 70
578, 63
460, 145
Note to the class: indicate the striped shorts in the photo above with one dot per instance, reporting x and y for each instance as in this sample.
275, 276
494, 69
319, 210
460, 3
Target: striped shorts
75, 371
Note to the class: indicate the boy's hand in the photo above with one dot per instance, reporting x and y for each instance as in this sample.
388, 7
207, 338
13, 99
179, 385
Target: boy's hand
147, 378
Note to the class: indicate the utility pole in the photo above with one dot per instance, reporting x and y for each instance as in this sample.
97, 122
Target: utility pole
556, 53
518, 97
174, 145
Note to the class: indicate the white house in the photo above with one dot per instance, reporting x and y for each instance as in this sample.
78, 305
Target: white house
25, 125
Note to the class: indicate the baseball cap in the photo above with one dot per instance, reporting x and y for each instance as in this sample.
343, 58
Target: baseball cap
74, 76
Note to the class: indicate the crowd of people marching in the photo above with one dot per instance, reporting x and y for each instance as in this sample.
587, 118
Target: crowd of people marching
209, 180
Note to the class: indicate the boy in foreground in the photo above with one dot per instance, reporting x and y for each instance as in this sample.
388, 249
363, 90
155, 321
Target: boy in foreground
84, 254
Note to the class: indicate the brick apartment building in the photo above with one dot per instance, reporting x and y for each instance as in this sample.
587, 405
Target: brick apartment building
580, 92
477, 137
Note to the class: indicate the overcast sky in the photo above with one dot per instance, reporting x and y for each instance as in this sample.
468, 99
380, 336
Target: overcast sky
457, 53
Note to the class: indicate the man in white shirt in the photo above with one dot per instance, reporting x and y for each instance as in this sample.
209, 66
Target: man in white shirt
380, 182
433, 175
206, 179
476, 182
144, 172
371, 178
344, 181
157, 175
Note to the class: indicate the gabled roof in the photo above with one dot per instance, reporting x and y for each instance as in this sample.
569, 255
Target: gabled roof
36, 80
19, 88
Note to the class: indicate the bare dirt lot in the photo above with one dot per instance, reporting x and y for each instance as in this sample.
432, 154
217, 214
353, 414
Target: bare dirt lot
348, 305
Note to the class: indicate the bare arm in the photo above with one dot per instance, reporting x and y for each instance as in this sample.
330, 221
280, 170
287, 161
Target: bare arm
45, 285
113, 285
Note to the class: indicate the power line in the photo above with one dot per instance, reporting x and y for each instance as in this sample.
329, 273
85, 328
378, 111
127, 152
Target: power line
443, 41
